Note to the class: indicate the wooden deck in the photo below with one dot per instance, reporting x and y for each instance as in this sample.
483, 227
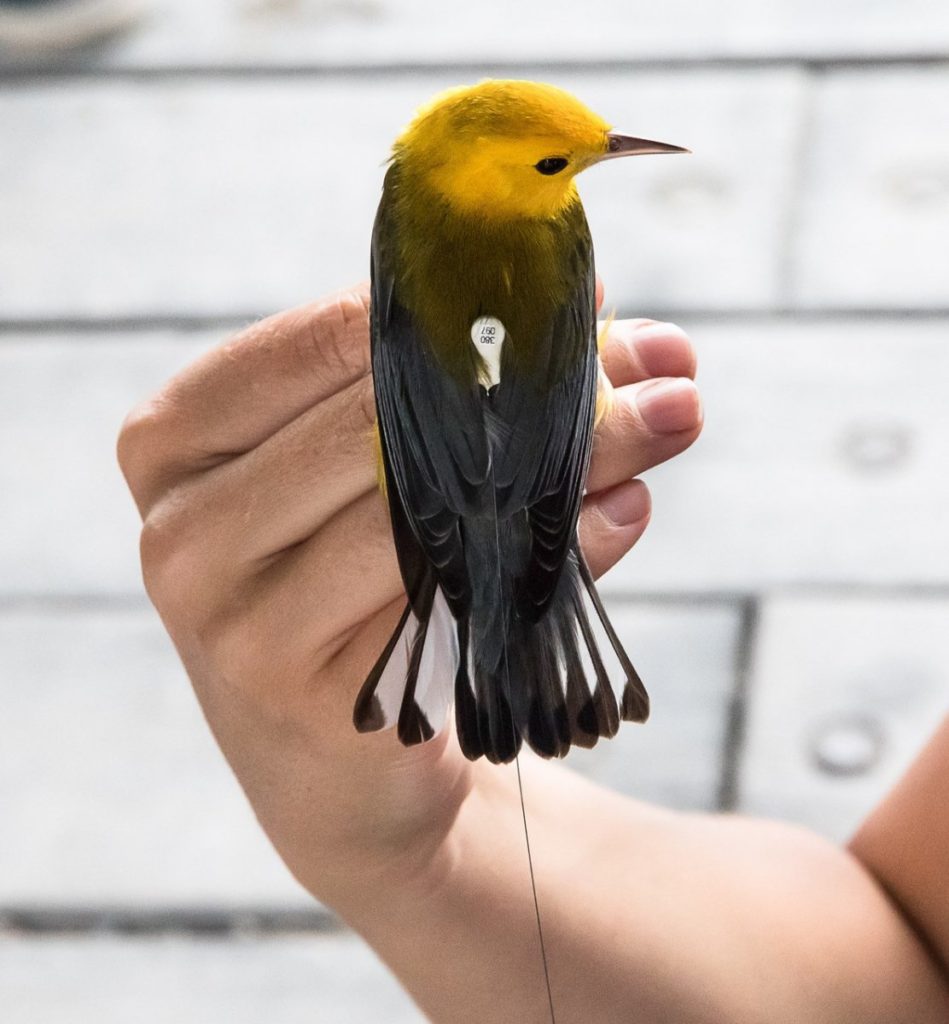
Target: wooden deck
789, 603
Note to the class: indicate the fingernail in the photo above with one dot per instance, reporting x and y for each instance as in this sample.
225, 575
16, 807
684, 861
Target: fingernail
670, 405
627, 503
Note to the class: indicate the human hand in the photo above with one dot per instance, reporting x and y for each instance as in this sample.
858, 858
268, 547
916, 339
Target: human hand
266, 548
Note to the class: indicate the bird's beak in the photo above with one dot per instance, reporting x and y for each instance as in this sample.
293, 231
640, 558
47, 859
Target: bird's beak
626, 145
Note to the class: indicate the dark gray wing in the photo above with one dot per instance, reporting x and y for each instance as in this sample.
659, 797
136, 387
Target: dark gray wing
433, 439
545, 408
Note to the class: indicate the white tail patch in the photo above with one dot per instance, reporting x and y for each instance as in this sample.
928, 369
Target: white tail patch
434, 685
391, 684
436, 673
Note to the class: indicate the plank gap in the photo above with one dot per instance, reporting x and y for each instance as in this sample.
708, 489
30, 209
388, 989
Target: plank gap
24, 74
184, 921
76, 604
736, 720
13, 328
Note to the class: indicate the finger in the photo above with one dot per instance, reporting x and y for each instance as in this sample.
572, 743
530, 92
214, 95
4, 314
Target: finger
611, 522
636, 350
338, 578
241, 392
646, 424
291, 485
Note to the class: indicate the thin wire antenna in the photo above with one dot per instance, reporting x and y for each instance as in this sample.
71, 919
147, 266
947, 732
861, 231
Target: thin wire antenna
530, 865
517, 761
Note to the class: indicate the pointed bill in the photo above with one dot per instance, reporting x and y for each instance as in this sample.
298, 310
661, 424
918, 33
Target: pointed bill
627, 145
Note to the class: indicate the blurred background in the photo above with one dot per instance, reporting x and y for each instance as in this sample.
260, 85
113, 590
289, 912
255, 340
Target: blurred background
170, 170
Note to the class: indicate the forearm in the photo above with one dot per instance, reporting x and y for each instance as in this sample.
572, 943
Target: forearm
905, 844
647, 915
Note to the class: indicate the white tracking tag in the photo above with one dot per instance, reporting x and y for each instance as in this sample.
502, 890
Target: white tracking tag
487, 333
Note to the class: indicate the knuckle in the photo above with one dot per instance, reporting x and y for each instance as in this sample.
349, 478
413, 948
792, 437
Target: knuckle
353, 305
366, 403
160, 549
215, 621
160, 537
593, 523
193, 576
174, 554
235, 641
619, 355
602, 528
334, 334
136, 438
621, 418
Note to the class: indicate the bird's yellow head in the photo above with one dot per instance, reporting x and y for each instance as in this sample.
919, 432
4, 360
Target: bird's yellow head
507, 149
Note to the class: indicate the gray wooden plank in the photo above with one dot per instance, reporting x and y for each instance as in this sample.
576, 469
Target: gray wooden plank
196, 196
822, 460
875, 194
112, 788
105, 759
71, 526
845, 690
358, 32
686, 656
331, 979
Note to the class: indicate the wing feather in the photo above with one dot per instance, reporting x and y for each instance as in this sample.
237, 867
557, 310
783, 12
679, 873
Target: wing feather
461, 463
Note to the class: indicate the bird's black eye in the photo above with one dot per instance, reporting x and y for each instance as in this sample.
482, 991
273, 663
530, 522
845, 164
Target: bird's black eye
551, 164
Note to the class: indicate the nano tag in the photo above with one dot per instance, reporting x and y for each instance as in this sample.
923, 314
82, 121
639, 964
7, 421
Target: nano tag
487, 333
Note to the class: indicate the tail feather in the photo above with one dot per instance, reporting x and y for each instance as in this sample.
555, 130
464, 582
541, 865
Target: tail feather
583, 728
466, 706
483, 717
495, 721
548, 727
634, 704
413, 727
439, 656
600, 714
410, 684
379, 698
552, 684
557, 689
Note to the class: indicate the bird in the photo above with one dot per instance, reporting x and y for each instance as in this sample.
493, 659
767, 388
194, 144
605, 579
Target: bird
485, 364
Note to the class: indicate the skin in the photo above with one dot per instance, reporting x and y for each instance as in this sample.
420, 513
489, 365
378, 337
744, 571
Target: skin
266, 550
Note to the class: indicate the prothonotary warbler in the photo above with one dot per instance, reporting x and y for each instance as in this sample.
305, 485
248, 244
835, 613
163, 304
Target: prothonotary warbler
485, 363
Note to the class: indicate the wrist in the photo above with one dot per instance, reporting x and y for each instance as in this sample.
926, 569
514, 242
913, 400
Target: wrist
386, 831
